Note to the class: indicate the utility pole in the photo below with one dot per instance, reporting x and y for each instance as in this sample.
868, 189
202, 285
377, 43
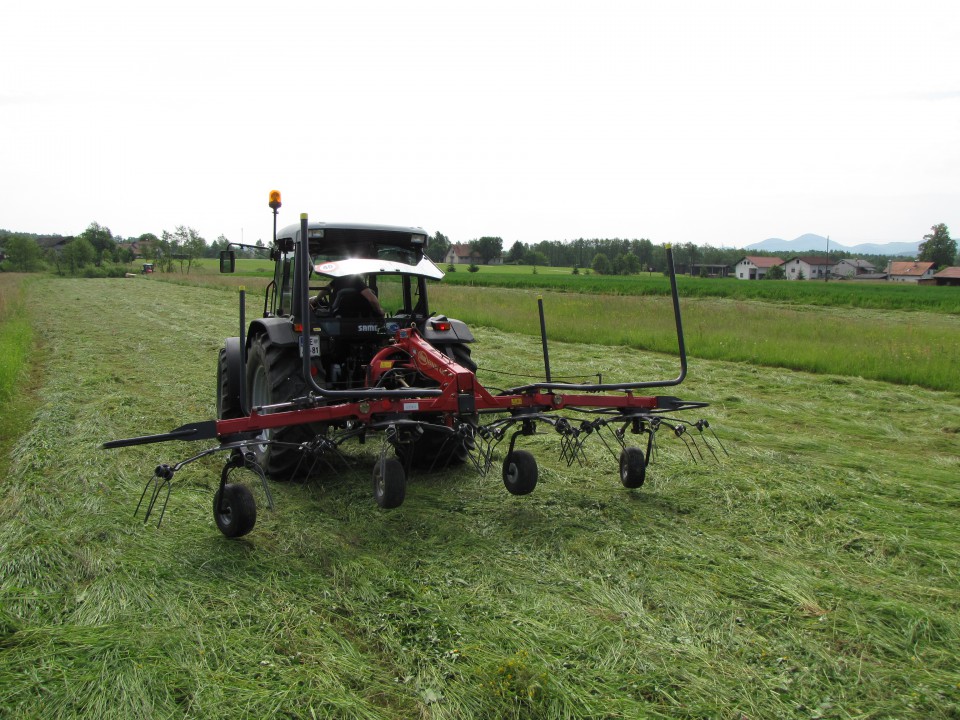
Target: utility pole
826, 275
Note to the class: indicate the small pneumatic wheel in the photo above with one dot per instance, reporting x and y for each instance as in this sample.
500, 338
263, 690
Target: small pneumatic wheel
389, 483
520, 472
236, 513
633, 467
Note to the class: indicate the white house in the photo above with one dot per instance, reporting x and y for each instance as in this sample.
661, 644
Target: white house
754, 268
850, 267
461, 254
909, 271
809, 268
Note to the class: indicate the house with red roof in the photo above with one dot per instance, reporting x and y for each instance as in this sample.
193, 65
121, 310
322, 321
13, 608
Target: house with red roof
948, 276
909, 271
754, 268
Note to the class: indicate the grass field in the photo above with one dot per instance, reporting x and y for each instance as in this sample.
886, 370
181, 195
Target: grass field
813, 574
845, 294
912, 347
905, 347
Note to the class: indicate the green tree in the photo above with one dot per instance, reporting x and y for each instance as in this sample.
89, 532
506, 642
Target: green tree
601, 264
535, 257
488, 248
775, 273
516, 253
23, 253
78, 253
195, 247
438, 246
938, 247
102, 242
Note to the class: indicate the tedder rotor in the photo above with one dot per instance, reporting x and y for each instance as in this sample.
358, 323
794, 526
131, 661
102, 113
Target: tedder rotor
406, 376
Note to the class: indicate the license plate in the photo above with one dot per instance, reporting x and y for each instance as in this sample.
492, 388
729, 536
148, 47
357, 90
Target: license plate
314, 345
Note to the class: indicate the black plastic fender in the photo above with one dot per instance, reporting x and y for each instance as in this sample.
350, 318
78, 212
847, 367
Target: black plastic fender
234, 360
458, 332
279, 330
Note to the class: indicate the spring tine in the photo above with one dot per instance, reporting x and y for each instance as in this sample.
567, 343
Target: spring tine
719, 443
606, 445
166, 500
706, 442
687, 445
696, 446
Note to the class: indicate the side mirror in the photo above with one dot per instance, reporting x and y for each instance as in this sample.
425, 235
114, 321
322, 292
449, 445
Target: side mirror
228, 261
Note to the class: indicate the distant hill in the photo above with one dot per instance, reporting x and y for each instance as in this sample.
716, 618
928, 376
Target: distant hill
810, 241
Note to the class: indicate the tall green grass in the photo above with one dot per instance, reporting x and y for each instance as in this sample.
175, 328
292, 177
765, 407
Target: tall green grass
846, 294
851, 294
813, 574
16, 335
908, 348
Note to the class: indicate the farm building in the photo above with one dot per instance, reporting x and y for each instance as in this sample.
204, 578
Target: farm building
850, 267
754, 268
909, 271
463, 254
948, 276
808, 268
707, 270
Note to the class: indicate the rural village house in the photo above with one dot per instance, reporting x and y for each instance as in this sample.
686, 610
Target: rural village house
754, 268
909, 271
809, 268
948, 276
463, 254
850, 267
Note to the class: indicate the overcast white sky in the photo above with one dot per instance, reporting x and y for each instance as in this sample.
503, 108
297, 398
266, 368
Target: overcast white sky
719, 122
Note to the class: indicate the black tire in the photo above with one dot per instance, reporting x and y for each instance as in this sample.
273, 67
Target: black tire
633, 467
389, 483
228, 404
238, 513
275, 375
460, 354
439, 450
520, 472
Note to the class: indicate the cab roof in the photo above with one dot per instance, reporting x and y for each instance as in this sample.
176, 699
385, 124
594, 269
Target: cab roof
361, 232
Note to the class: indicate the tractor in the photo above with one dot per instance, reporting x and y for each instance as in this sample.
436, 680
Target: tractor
348, 349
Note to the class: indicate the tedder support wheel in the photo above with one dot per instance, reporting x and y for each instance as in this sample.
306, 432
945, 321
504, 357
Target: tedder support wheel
237, 513
633, 467
389, 483
520, 472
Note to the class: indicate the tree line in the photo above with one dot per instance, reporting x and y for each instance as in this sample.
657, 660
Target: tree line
97, 251
622, 256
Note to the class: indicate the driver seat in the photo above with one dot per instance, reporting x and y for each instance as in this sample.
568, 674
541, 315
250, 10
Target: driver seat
349, 303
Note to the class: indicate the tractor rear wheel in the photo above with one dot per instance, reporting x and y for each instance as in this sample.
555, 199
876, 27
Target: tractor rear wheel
236, 513
460, 354
228, 404
520, 472
633, 467
438, 450
275, 375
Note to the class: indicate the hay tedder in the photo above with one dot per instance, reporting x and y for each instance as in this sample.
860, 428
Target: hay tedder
317, 371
